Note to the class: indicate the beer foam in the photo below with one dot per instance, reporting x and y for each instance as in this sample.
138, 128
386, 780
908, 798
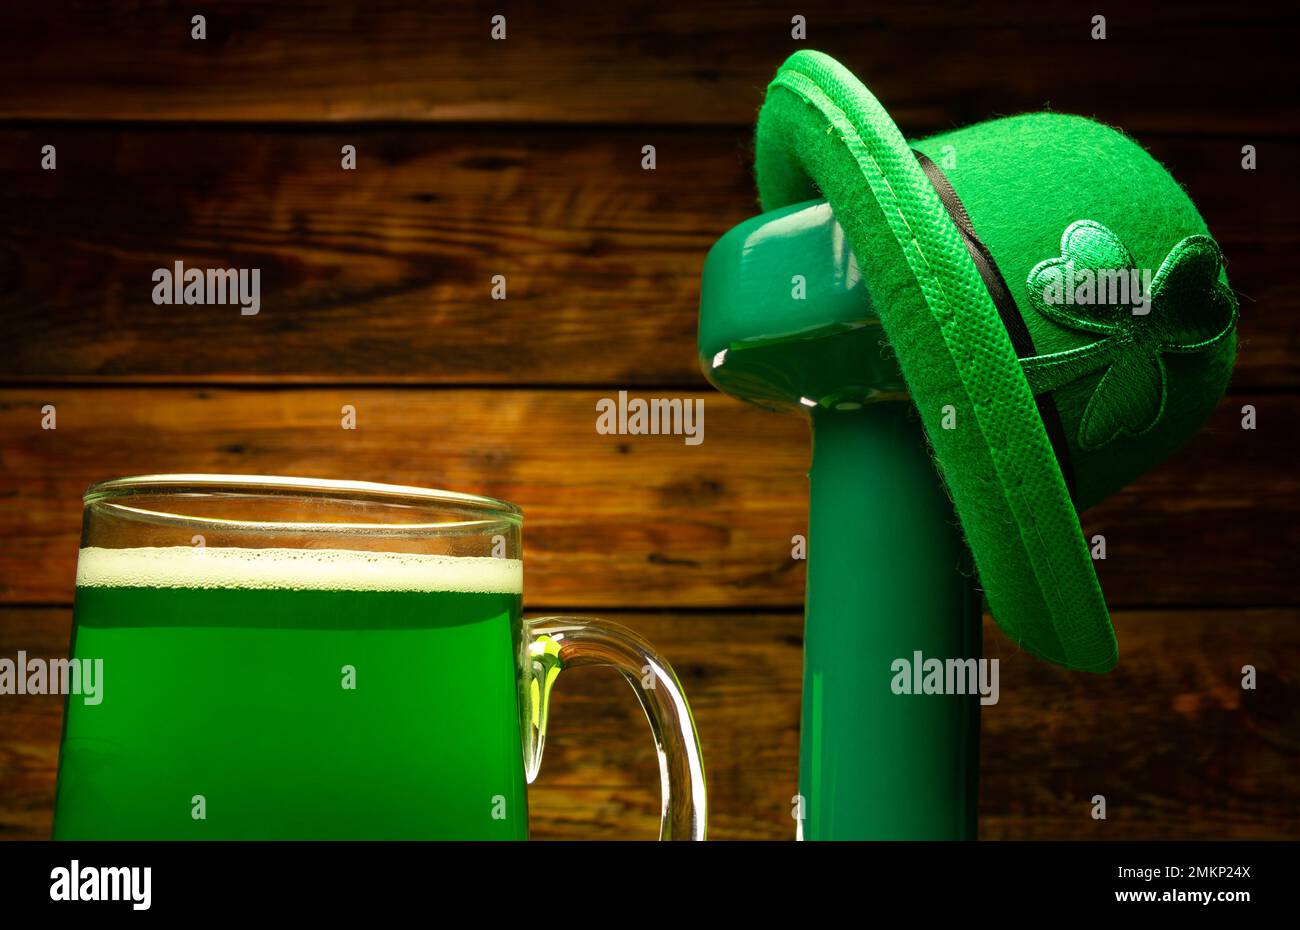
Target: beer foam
295, 569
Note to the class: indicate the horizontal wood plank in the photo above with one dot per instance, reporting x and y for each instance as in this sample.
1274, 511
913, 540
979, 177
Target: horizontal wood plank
384, 274
1178, 67
617, 520
1170, 738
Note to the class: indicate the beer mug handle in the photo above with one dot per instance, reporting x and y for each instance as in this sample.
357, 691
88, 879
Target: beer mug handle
558, 643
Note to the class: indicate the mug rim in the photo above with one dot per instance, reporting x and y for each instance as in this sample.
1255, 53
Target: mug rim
378, 492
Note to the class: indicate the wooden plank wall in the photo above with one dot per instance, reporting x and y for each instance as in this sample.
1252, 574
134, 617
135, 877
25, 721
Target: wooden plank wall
522, 158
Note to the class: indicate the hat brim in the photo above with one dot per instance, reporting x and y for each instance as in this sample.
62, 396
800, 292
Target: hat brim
821, 130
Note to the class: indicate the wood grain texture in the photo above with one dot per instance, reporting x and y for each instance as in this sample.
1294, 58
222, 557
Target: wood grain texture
617, 521
1162, 66
522, 158
384, 274
1170, 738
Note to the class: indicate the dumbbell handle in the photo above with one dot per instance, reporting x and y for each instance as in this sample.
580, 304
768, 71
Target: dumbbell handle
888, 576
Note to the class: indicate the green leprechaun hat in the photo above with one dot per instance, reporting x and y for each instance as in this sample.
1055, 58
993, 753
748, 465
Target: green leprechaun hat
1057, 308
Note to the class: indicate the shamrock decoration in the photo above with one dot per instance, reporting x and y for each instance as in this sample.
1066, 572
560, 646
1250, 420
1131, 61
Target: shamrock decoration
1095, 287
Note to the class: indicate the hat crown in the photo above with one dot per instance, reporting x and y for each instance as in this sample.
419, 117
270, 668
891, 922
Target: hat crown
1121, 287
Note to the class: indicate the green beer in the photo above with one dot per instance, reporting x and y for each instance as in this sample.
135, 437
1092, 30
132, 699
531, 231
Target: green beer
295, 694
311, 658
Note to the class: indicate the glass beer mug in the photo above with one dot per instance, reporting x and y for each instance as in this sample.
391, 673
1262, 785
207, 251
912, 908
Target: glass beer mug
295, 659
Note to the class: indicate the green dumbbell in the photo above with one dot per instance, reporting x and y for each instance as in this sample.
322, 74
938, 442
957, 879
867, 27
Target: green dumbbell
785, 322
1035, 315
